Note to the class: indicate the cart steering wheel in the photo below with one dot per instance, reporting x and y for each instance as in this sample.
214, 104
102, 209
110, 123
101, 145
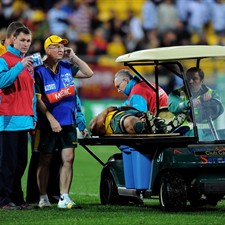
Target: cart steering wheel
211, 109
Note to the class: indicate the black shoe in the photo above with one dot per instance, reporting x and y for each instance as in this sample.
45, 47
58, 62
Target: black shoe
27, 206
159, 126
11, 206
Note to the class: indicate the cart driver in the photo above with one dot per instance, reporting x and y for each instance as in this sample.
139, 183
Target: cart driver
178, 99
128, 120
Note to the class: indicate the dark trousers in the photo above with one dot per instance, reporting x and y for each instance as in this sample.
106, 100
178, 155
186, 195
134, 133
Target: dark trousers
53, 189
13, 161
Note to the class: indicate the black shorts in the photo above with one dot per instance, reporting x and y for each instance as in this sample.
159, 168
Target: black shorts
48, 141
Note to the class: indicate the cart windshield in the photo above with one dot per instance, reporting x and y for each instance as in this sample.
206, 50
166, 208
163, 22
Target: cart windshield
207, 98
206, 114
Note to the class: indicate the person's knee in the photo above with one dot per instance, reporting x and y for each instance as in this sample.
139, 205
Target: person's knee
68, 157
45, 160
134, 125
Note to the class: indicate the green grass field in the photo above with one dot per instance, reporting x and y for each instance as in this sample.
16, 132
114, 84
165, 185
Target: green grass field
85, 192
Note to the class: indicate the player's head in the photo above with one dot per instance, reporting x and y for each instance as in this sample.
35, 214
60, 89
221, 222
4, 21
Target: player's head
121, 79
11, 30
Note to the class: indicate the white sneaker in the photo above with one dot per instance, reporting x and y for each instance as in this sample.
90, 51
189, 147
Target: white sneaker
67, 204
44, 203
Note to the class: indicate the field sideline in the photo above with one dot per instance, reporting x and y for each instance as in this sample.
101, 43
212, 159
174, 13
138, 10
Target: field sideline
85, 192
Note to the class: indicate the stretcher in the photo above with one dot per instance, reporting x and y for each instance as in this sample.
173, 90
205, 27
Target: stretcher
135, 140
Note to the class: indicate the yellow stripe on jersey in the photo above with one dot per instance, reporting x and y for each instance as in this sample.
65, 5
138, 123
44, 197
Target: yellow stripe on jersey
107, 122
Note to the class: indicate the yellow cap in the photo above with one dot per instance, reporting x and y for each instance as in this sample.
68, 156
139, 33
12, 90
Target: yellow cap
54, 39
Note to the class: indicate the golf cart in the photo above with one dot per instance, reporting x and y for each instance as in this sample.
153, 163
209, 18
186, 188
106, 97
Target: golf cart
179, 169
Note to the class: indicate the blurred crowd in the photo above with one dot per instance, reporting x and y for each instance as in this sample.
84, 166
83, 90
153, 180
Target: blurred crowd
159, 23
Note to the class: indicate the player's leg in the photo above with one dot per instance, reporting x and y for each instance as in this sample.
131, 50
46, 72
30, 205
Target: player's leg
133, 124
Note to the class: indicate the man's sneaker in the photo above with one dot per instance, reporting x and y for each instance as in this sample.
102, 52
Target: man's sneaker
67, 204
44, 203
175, 123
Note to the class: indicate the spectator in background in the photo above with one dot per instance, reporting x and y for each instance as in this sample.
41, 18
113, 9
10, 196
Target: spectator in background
168, 38
218, 20
94, 19
182, 10
202, 40
17, 89
174, 81
37, 47
116, 46
151, 40
2, 16
81, 17
197, 16
114, 26
132, 27
149, 16
57, 19
167, 16
38, 24
183, 35
99, 41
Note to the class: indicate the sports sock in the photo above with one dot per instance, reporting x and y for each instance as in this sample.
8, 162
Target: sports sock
64, 196
139, 127
44, 196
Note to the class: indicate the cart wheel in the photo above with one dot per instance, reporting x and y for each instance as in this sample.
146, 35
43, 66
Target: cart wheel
196, 201
214, 199
108, 191
172, 193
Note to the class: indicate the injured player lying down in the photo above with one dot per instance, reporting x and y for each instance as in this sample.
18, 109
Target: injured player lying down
128, 120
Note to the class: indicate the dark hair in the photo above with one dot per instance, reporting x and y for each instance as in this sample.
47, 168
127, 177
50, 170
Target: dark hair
194, 70
12, 28
23, 29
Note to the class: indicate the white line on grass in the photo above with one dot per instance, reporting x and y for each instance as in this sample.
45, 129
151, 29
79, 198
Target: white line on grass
84, 193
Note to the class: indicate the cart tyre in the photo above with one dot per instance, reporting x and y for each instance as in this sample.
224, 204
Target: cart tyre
214, 199
108, 190
172, 192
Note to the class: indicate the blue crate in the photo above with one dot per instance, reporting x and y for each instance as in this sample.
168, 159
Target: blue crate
128, 168
137, 168
141, 170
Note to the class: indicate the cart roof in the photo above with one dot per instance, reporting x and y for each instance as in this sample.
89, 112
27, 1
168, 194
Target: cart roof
173, 53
